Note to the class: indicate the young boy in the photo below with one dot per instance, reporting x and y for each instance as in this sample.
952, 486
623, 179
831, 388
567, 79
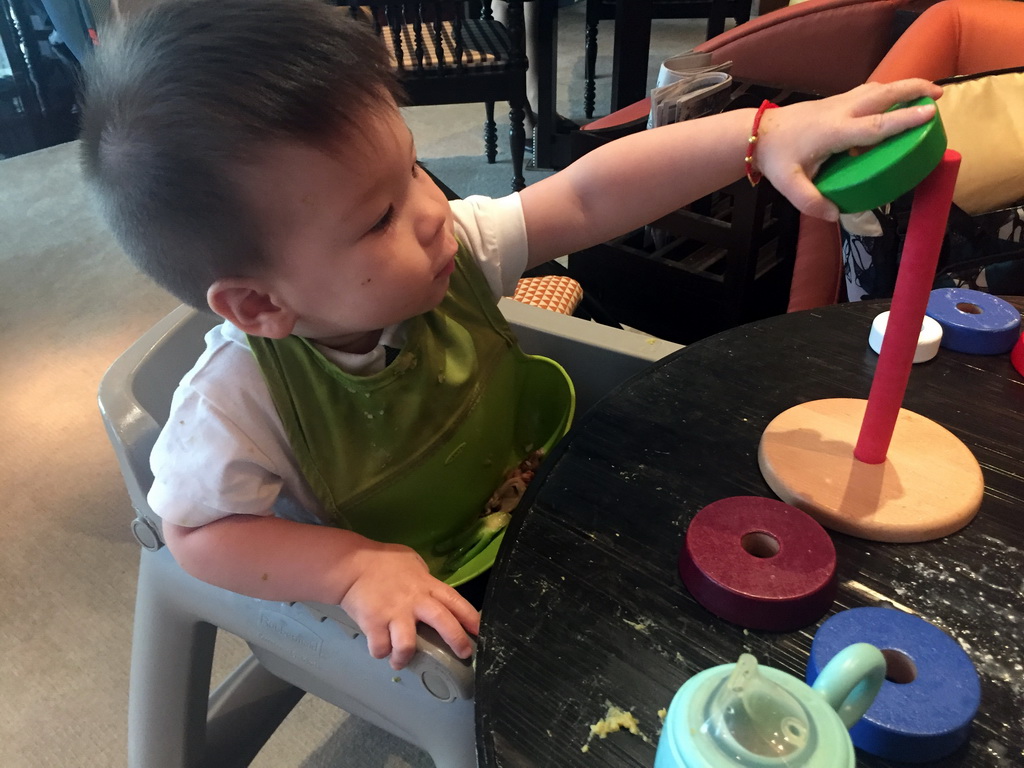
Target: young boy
250, 156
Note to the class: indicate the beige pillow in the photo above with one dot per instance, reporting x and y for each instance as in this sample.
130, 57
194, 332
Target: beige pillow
984, 122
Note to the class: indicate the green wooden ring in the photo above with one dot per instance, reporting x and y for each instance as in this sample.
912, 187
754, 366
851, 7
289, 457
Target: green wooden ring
885, 171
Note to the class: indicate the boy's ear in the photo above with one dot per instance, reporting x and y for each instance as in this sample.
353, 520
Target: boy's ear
246, 304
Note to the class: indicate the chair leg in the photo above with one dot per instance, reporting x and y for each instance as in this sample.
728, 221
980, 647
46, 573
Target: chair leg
590, 69
173, 722
716, 18
490, 134
517, 144
166, 706
741, 12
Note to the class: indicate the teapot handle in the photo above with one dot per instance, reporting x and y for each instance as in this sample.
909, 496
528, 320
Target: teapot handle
851, 680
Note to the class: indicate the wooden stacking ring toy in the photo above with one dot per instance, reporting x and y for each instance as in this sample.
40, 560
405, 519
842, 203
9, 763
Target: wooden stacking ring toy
927, 342
974, 322
759, 563
931, 693
831, 457
928, 486
891, 168
1017, 356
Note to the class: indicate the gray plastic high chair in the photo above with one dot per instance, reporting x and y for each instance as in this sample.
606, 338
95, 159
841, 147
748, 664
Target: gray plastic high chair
174, 721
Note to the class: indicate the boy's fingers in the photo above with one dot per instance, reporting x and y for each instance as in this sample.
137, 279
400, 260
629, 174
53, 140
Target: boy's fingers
806, 198
378, 641
403, 643
878, 97
464, 611
821, 208
448, 626
874, 128
876, 121
458, 641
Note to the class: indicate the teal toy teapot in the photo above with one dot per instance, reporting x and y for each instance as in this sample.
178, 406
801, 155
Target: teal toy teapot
744, 716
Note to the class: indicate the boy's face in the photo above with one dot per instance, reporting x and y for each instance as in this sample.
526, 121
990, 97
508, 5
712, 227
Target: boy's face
361, 237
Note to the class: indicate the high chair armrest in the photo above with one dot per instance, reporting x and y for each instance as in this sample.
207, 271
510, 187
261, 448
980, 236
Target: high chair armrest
441, 672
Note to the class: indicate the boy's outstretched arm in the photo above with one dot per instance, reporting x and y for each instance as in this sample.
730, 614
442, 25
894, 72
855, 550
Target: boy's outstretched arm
637, 179
385, 588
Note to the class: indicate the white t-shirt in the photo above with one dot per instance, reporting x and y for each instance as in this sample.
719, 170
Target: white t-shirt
224, 450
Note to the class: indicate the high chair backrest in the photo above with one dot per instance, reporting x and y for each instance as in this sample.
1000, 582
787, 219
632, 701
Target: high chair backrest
135, 398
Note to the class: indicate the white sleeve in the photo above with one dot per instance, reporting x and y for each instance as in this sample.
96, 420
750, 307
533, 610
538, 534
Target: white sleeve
205, 467
223, 451
494, 231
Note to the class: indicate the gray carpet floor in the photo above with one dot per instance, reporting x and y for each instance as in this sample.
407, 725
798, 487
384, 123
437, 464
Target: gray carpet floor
69, 304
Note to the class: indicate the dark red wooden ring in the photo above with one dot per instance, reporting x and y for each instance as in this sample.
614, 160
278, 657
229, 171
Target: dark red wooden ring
760, 563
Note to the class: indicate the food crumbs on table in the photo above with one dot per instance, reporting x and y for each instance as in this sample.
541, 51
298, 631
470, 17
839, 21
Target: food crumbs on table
615, 719
662, 713
640, 626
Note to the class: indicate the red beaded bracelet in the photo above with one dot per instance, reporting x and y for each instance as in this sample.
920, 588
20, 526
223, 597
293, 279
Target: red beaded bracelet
755, 176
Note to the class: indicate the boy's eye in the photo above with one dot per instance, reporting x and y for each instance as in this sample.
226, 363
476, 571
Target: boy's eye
384, 220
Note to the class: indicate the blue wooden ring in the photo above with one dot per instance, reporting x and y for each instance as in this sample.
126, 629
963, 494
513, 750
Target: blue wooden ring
974, 322
931, 692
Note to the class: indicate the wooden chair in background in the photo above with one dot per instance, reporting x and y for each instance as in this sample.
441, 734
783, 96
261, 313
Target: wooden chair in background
444, 54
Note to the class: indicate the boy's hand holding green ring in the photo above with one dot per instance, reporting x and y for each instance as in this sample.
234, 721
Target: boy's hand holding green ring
885, 171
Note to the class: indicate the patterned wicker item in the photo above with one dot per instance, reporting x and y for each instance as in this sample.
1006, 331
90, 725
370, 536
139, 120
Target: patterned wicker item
555, 292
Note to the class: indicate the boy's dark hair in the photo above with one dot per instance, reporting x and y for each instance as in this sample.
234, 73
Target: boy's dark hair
176, 100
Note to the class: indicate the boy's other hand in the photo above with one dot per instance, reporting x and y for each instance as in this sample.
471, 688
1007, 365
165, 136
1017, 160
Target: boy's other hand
390, 590
794, 141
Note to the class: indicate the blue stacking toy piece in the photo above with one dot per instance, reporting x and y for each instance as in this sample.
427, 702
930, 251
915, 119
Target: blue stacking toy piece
924, 709
974, 322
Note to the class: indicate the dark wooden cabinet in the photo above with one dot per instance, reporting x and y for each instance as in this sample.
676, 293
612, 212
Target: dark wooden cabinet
723, 261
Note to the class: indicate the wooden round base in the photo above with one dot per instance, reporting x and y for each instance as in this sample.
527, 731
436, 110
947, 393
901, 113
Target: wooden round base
929, 486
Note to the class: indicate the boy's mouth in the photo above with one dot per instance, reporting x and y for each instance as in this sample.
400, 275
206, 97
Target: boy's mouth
446, 270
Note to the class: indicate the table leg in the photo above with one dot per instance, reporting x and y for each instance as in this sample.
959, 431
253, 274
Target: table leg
716, 20
632, 49
544, 61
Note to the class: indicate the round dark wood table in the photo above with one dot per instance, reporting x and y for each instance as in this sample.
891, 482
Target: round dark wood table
586, 610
